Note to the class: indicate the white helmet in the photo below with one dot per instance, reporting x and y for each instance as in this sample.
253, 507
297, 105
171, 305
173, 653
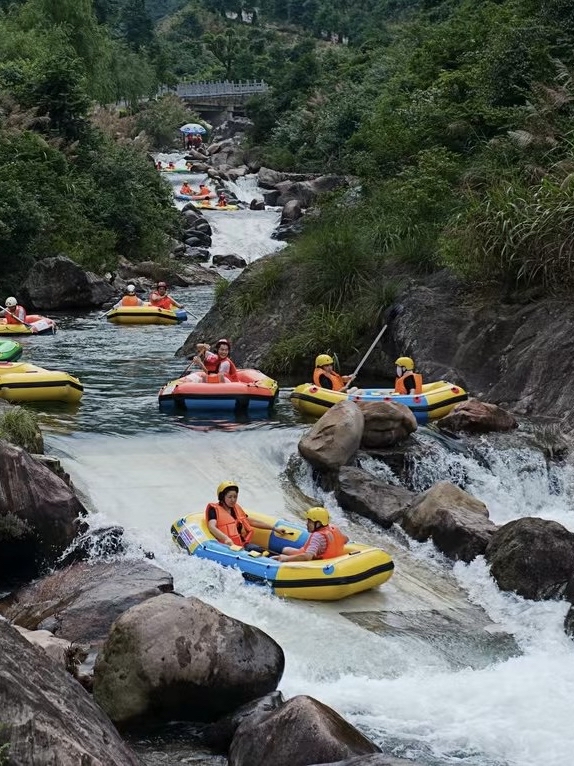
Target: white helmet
131, 288
11, 302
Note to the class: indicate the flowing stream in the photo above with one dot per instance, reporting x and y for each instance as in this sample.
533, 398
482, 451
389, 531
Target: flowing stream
437, 665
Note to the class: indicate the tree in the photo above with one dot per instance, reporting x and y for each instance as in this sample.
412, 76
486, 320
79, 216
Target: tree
136, 24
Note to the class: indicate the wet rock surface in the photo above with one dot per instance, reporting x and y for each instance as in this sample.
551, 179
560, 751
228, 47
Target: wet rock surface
302, 731
335, 438
48, 718
178, 658
219, 735
386, 424
360, 492
478, 417
532, 557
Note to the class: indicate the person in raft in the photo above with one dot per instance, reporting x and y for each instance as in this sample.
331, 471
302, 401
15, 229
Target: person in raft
171, 166
326, 541
158, 165
407, 381
186, 189
228, 522
324, 375
130, 298
214, 368
204, 191
222, 200
13, 312
160, 298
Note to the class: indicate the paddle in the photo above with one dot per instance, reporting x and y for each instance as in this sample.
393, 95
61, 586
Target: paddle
17, 318
101, 316
394, 312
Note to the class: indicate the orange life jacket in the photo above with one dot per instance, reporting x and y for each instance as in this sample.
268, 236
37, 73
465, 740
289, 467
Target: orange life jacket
228, 525
400, 387
334, 377
19, 311
335, 542
130, 300
185, 189
212, 366
161, 301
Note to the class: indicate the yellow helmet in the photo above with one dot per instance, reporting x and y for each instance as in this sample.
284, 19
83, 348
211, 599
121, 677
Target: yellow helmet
226, 485
323, 359
318, 514
406, 362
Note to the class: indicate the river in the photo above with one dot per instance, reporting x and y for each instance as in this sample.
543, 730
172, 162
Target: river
438, 664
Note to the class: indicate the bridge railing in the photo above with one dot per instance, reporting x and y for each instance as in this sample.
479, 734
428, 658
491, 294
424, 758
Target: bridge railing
215, 89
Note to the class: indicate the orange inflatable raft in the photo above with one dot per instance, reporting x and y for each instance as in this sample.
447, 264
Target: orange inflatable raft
199, 391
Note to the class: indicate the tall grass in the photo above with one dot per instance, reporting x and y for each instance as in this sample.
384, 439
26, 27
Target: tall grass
20, 426
260, 287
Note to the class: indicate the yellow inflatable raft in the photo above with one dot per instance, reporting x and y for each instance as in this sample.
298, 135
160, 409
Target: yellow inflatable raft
436, 400
146, 315
21, 382
361, 568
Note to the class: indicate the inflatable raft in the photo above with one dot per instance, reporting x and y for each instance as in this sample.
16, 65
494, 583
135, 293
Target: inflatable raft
38, 326
146, 315
362, 567
21, 382
194, 197
254, 390
218, 208
436, 401
10, 351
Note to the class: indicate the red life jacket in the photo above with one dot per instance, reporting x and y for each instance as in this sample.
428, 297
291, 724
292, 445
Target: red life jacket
161, 301
336, 542
130, 300
19, 311
212, 366
335, 378
400, 387
228, 525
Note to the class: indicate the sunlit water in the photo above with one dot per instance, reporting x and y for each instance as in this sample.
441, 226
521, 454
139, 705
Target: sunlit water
436, 665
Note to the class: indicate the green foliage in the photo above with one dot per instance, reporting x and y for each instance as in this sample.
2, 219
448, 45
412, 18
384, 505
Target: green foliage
220, 289
20, 426
161, 120
259, 288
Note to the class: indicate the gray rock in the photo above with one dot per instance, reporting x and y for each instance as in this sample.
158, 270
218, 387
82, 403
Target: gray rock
219, 735
82, 602
178, 658
268, 179
230, 261
378, 759
457, 523
235, 173
300, 732
59, 283
387, 424
219, 146
360, 492
288, 231
270, 197
152, 271
256, 204
335, 438
199, 254
201, 239
569, 622
291, 212
99, 543
48, 717
532, 557
478, 417
39, 514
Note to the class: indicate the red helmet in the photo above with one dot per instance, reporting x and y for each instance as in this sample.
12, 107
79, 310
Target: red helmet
222, 341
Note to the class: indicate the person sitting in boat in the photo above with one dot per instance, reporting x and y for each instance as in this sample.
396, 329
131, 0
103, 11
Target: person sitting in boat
171, 166
204, 190
158, 165
407, 381
189, 165
326, 541
130, 298
325, 376
219, 363
13, 313
160, 298
222, 200
186, 189
228, 522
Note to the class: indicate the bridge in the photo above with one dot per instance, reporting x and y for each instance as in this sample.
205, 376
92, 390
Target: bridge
217, 101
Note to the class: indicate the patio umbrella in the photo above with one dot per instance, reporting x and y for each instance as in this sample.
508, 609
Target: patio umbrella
192, 128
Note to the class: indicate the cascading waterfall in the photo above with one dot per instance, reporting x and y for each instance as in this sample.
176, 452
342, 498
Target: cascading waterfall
437, 665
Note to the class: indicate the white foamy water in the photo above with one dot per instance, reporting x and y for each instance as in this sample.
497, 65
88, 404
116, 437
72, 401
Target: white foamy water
437, 665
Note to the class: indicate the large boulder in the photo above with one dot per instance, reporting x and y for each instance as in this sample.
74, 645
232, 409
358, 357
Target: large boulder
457, 523
39, 514
219, 735
57, 648
478, 417
532, 557
47, 716
302, 731
229, 261
151, 270
569, 622
236, 173
59, 283
379, 759
386, 424
268, 179
178, 658
81, 602
335, 438
360, 492
291, 212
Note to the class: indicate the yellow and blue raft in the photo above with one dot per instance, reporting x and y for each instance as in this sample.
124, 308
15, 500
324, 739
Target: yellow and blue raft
361, 568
